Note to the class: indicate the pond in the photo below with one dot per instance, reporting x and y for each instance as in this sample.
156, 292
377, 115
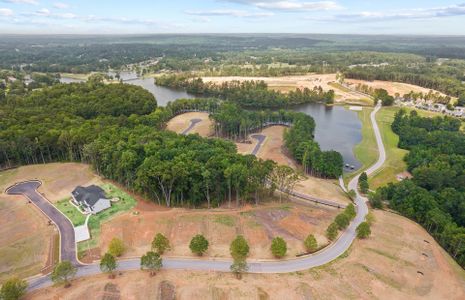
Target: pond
337, 128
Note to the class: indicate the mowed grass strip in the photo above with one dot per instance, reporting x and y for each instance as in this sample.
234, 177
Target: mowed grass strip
366, 151
125, 203
394, 156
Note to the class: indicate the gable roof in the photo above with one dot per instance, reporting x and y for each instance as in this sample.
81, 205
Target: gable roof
88, 195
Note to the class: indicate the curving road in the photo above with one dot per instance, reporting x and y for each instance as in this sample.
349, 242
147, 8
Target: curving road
319, 258
67, 243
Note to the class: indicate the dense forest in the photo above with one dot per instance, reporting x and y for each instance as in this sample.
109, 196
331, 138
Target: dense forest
118, 129
252, 94
435, 197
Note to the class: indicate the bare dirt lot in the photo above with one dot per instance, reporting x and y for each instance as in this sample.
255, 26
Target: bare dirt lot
259, 225
25, 235
288, 83
181, 122
391, 87
385, 266
327, 82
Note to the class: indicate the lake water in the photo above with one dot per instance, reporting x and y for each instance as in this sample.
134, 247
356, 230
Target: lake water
337, 128
162, 94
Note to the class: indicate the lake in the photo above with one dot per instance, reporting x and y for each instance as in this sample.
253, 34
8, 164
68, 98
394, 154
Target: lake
337, 128
162, 94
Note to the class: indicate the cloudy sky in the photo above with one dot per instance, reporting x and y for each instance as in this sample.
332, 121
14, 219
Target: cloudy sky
233, 16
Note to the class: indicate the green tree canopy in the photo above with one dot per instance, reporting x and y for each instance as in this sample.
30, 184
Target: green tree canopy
350, 211
160, 243
13, 289
278, 247
151, 261
332, 231
342, 221
199, 244
116, 247
108, 263
363, 230
310, 243
238, 267
63, 272
239, 248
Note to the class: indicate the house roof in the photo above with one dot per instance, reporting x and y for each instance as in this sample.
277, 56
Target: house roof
89, 195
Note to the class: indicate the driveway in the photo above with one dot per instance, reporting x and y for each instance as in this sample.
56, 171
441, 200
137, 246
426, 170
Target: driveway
28, 189
260, 138
193, 123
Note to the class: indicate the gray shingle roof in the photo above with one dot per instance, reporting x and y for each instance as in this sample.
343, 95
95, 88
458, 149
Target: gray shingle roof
88, 195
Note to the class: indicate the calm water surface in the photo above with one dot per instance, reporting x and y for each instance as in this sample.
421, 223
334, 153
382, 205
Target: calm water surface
162, 94
337, 128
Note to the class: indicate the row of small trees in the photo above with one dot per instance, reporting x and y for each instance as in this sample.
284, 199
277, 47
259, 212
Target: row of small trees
65, 271
343, 220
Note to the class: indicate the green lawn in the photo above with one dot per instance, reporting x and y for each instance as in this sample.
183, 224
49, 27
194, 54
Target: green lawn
366, 151
125, 203
394, 156
76, 217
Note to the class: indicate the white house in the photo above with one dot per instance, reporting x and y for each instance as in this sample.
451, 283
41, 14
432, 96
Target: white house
91, 199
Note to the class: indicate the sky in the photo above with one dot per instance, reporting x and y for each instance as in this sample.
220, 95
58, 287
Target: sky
423, 17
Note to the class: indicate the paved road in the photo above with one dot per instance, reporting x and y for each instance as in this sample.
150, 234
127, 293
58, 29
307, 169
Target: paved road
193, 123
67, 245
260, 138
322, 257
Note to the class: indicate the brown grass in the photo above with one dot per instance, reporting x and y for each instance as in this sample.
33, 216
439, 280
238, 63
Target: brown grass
181, 122
258, 224
25, 236
382, 267
392, 87
289, 83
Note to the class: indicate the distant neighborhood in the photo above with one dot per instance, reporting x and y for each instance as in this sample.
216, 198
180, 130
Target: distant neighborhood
457, 111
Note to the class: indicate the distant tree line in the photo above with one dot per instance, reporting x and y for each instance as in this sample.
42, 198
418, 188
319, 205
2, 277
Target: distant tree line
435, 196
252, 94
444, 79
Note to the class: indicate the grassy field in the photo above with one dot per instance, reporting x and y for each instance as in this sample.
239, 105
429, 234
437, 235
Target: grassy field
339, 86
76, 217
394, 156
125, 203
367, 151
